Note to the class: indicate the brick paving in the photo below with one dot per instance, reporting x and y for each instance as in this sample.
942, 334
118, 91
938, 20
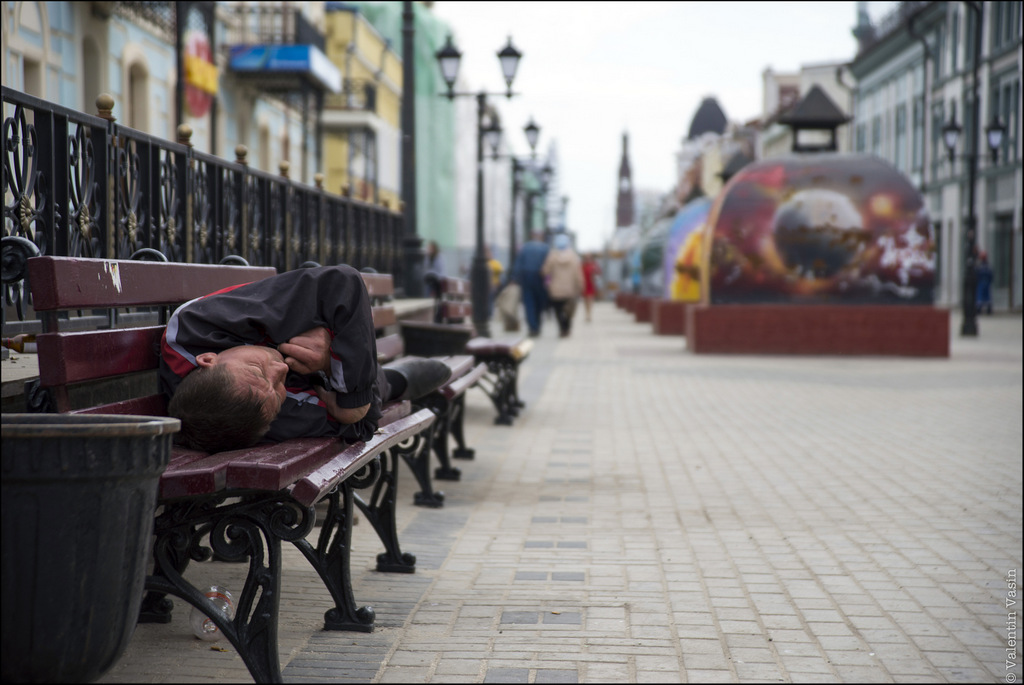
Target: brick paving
659, 516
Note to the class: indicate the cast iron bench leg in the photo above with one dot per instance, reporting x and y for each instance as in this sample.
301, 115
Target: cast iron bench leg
416, 453
380, 512
332, 560
442, 408
455, 427
238, 530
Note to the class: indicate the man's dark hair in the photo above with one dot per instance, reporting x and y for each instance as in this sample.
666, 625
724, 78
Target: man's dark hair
216, 414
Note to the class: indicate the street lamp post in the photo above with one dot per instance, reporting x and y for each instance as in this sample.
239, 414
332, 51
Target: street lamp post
448, 58
950, 135
493, 134
412, 245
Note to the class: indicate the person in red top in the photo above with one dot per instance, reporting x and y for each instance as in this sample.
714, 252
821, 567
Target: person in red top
293, 355
591, 270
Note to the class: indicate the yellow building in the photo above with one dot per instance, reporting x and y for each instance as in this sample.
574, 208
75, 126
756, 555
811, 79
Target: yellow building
362, 124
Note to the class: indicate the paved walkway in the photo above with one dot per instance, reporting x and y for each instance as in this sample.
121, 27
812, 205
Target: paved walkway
659, 516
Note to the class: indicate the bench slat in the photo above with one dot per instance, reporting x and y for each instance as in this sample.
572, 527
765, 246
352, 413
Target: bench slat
153, 405
379, 285
390, 347
459, 386
384, 316
89, 355
73, 283
198, 474
318, 483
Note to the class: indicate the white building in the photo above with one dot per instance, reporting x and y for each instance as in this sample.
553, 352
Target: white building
914, 75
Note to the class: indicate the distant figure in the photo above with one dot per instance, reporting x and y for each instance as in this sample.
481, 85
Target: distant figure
433, 269
494, 270
435, 262
591, 270
563, 272
526, 272
983, 290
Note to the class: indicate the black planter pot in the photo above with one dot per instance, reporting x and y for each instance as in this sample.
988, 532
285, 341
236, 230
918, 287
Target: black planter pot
78, 497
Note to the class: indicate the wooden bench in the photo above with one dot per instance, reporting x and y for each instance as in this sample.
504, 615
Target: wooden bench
242, 503
452, 332
448, 402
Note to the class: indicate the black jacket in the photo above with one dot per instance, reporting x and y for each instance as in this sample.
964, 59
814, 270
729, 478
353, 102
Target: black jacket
270, 312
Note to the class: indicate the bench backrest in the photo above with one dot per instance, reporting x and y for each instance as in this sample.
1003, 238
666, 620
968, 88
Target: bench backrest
453, 303
67, 283
389, 342
70, 359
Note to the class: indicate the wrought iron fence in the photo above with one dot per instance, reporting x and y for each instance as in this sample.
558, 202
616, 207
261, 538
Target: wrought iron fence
85, 186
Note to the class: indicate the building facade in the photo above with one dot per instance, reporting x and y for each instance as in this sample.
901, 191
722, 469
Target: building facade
70, 52
782, 91
915, 76
362, 124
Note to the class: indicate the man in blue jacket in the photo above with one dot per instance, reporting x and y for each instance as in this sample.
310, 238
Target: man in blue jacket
526, 272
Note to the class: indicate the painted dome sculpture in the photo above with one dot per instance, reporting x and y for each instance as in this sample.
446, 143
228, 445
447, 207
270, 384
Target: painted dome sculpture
839, 229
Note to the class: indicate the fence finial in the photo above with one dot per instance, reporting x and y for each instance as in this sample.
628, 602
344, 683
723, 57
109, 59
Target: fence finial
318, 178
283, 166
105, 106
241, 152
185, 134
346, 190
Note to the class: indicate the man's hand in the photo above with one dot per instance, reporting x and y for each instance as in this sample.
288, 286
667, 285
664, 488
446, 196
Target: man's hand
308, 352
341, 415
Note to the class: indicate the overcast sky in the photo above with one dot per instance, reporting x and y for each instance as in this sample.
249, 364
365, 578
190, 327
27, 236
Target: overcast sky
593, 70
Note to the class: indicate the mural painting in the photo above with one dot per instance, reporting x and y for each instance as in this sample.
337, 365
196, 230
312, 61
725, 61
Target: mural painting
683, 252
838, 229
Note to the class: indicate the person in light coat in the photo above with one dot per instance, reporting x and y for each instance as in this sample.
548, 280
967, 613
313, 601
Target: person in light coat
563, 273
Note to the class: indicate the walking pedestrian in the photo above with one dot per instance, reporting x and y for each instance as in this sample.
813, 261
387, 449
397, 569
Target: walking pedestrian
526, 272
983, 290
591, 270
494, 269
563, 272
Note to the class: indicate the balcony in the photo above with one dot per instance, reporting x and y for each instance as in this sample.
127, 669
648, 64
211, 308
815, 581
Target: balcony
278, 49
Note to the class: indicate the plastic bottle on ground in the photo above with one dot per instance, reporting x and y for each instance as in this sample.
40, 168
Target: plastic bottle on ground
202, 626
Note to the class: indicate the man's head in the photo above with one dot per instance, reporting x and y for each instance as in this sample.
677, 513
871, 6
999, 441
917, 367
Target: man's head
229, 401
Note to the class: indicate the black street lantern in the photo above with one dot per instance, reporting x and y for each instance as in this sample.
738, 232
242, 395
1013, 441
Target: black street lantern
509, 57
994, 133
448, 58
950, 135
532, 131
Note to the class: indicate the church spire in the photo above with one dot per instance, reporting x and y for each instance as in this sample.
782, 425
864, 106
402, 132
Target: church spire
625, 203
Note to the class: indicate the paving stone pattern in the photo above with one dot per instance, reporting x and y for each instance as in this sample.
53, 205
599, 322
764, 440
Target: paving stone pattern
659, 516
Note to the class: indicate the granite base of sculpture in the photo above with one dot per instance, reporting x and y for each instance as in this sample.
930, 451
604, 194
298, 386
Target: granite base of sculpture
911, 331
668, 317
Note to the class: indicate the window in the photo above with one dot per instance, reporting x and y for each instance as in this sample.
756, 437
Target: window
938, 149
1005, 23
33, 77
1001, 257
970, 39
876, 136
1005, 96
138, 98
940, 50
91, 87
954, 42
917, 155
900, 158
861, 144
